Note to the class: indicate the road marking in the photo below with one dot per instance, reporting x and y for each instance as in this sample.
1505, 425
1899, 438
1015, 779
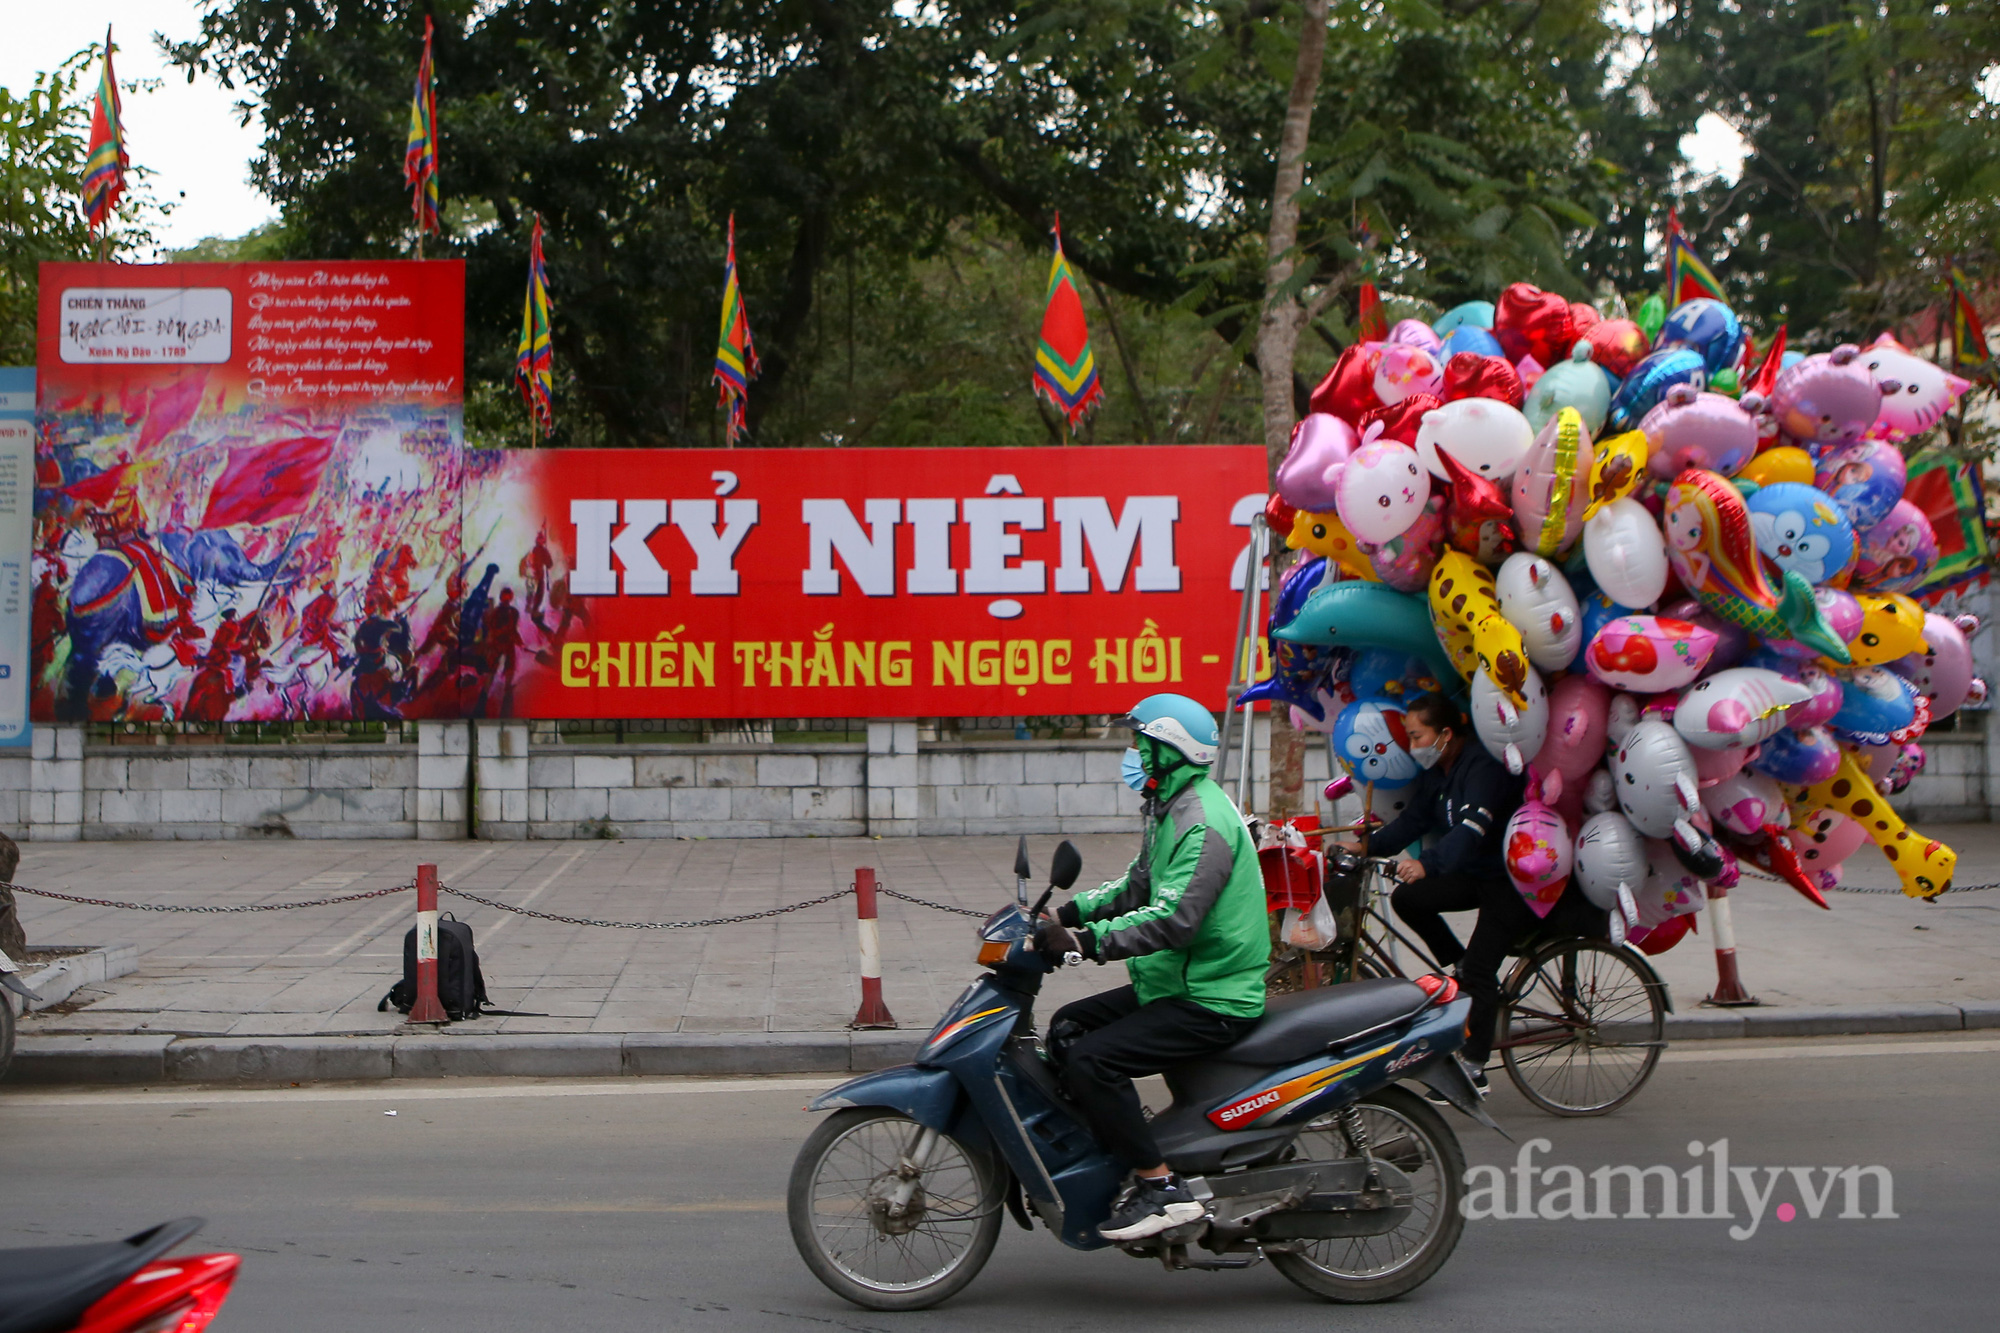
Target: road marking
400, 1205
1817, 1051
391, 1092
534, 893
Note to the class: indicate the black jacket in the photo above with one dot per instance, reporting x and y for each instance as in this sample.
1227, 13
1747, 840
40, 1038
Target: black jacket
1470, 804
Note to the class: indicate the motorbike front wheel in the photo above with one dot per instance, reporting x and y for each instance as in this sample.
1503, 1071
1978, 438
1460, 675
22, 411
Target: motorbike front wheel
1403, 1130
889, 1214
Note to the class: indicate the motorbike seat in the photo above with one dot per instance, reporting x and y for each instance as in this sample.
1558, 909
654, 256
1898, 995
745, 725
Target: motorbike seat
48, 1288
1300, 1025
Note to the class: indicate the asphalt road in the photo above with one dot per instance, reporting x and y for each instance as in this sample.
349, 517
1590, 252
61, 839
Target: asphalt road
624, 1205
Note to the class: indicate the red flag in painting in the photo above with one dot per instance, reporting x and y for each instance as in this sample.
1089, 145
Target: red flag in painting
99, 489
267, 482
171, 408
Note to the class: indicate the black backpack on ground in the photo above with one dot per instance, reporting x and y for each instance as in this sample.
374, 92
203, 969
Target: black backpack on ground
461, 987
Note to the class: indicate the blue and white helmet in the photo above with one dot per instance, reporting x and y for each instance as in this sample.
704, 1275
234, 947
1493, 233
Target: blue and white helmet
1178, 721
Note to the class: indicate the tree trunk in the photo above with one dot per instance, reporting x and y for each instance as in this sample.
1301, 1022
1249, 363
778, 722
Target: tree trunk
1278, 340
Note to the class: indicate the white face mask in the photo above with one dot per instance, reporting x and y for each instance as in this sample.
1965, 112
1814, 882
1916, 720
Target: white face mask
1428, 755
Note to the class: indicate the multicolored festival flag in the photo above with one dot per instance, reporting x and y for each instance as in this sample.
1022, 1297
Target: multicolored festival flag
1687, 276
534, 359
735, 349
1969, 350
1065, 371
104, 166
420, 152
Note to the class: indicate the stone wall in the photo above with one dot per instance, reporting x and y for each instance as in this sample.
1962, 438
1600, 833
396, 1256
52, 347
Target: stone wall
891, 785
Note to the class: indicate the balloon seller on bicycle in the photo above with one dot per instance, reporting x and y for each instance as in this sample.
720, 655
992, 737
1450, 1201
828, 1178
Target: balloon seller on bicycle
1466, 796
1188, 915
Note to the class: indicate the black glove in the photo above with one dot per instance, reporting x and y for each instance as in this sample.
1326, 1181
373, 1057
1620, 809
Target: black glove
1055, 941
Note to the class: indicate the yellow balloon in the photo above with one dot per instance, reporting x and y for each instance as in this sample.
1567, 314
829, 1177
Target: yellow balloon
1466, 612
1776, 465
1617, 470
1892, 626
1925, 865
1325, 534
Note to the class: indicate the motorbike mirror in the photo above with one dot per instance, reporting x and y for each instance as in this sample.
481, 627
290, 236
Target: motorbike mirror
1041, 902
1339, 787
1021, 870
1065, 866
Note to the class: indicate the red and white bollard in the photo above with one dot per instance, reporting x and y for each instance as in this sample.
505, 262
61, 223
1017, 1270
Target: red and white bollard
872, 1013
427, 1009
1729, 992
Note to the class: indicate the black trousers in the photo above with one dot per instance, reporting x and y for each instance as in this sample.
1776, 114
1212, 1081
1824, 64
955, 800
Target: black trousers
1504, 921
1105, 1041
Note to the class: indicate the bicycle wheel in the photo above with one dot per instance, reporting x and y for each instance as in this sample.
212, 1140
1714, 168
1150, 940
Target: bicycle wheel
1582, 1025
1404, 1131
6, 1033
880, 1230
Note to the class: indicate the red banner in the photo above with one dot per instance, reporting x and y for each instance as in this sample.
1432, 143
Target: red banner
855, 582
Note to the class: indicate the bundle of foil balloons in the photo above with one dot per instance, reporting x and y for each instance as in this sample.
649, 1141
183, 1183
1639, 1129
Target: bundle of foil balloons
1681, 614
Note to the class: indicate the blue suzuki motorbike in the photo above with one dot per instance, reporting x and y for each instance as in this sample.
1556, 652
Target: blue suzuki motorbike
1297, 1140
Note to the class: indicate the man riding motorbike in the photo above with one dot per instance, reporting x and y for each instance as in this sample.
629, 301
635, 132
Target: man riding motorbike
1188, 915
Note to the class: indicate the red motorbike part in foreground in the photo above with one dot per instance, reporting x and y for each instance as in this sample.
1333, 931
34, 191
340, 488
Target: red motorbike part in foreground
124, 1286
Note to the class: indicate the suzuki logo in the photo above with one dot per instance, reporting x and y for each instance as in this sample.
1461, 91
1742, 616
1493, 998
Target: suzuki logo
1249, 1106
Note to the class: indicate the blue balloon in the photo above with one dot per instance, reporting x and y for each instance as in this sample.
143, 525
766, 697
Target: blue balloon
1874, 703
1596, 611
1649, 381
1297, 669
1370, 740
1797, 526
1468, 338
1707, 326
1472, 315
1797, 757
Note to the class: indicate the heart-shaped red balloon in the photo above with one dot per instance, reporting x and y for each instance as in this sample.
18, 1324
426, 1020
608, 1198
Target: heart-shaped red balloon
1531, 322
1618, 345
1349, 388
1280, 516
1473, 502
1400, 421
1583, 318
1470, 375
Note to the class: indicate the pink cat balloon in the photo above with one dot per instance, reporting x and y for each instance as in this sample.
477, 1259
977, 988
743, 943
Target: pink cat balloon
1537, 848
1825, 838
1829, 397
1924, 392
1693, 429
1381, 490
1405, 370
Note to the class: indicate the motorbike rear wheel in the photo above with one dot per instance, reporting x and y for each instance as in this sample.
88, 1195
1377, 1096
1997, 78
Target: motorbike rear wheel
1403, 1130
877, 1229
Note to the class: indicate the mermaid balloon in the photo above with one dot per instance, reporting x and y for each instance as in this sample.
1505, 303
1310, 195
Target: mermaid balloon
1713, 551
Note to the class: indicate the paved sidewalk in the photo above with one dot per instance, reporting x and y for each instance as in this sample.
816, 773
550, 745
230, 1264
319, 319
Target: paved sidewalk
319, 972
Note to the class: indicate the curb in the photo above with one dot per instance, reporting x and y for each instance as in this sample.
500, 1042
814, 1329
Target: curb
56, 981
154, 1058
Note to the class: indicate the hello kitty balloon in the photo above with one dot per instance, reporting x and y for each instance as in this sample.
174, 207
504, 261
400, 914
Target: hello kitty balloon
1536, 846
1671, 889
1655, 778
1488, 436
1744, 803
1381, 491
1924, 392
1610, 855
1510, 734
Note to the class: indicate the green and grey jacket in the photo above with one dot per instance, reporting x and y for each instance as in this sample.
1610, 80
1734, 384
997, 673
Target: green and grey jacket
1188, 914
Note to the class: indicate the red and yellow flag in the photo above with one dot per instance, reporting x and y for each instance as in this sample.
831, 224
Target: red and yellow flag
1065, 370
1687, 276
534, 359
105, 165
420, 150
1969, 351
735, 349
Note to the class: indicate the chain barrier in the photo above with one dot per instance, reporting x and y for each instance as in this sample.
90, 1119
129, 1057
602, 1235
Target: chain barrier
210, 908
925, 902
496, 905
1768, 878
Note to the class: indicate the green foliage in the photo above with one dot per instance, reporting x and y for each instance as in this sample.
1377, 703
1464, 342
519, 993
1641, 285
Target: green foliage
43, 133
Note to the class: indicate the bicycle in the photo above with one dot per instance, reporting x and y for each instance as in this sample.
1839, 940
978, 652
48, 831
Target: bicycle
1581, 1022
